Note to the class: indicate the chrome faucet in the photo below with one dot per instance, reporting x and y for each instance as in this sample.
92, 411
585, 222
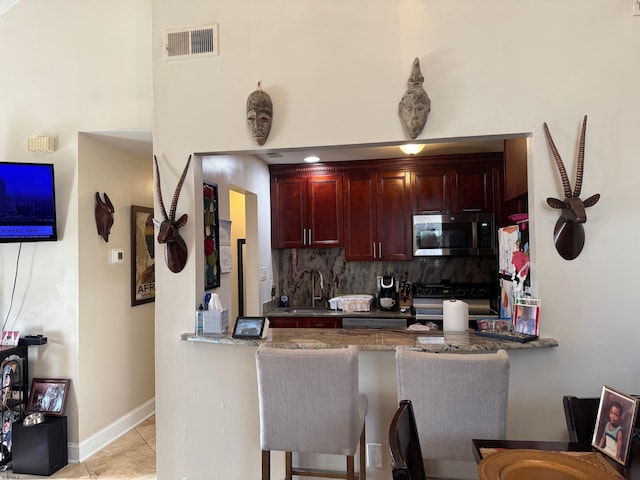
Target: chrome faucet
313, 287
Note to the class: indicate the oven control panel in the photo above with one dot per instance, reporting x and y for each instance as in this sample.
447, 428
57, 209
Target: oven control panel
459, 290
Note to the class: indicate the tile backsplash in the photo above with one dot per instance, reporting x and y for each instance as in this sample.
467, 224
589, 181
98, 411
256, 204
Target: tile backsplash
293, 267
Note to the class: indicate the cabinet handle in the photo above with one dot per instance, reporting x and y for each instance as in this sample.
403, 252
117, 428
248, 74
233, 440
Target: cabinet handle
374, 250
471, 209
309, 237
379, 249
304, 236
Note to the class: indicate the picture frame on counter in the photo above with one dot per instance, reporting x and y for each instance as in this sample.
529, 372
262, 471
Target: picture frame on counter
526, 316
251, 327
614, 424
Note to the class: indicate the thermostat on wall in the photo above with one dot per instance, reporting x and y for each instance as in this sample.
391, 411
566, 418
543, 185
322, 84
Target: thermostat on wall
116, 256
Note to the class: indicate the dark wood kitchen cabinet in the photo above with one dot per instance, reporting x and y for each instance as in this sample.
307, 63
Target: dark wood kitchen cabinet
456, 184
471, 189
306, 211
377, 207
431, 191
305, 322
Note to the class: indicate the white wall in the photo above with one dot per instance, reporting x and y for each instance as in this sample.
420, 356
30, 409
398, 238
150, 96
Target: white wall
72, 66
336, 72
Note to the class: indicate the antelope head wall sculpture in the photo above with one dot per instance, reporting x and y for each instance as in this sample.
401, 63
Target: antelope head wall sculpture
175, 250
104, 216
568, 234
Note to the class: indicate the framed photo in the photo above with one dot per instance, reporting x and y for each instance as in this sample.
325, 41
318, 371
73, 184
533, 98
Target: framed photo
211, 237
143, 268
614, 424
526, 318
48, 396
251, 327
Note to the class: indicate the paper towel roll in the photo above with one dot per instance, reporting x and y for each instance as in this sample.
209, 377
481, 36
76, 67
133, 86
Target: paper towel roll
455, 316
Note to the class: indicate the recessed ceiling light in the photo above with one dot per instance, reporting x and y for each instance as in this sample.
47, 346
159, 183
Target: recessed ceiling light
411, 148
312, 159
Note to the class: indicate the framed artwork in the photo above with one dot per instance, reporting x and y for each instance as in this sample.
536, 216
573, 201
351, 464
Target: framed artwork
526, 318
211, 237
143, 268
48, 396
614, 424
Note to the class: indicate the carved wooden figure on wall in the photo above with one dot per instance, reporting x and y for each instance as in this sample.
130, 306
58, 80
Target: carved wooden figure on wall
415, 105
259, 114
104, 216
568, 234
175, 250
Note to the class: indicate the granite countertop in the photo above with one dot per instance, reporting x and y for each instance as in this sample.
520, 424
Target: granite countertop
325, 312
374, 340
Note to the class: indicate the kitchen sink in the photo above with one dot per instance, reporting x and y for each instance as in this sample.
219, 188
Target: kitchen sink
307, 310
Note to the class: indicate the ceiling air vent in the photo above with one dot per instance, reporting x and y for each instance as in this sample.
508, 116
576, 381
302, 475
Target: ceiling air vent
191, 42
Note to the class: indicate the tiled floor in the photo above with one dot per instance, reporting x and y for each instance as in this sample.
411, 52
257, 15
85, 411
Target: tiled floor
131, 457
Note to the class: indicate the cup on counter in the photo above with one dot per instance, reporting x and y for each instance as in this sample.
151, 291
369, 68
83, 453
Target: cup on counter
386, 302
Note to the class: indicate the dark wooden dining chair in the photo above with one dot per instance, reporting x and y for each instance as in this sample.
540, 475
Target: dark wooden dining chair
580, 414
404, 445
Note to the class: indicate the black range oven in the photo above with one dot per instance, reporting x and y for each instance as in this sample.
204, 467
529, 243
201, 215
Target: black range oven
428, 300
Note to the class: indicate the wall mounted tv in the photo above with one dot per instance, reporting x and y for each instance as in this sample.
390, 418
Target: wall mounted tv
27, 202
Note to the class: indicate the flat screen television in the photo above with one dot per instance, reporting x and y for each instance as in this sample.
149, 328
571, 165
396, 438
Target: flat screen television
27, 202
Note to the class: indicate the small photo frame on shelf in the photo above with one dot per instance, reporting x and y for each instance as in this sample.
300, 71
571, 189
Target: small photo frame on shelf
10, 338
614, 424
526, 315
251, 327
48, 396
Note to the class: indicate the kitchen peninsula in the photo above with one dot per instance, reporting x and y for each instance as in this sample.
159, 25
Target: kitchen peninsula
381, 340
377, 377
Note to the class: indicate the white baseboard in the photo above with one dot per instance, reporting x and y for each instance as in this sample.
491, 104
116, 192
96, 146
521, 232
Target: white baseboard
80, 452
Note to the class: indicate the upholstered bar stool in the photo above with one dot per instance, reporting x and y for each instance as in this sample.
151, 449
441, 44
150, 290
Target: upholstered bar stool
456, 397
310, 402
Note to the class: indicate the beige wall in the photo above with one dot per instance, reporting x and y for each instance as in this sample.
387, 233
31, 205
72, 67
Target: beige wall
116, 339
68, 67
336, 72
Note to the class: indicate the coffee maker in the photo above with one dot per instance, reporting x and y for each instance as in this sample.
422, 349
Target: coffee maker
388, 293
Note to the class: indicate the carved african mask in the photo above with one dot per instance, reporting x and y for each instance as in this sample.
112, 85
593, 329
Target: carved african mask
259, 114
104, 216
415, 104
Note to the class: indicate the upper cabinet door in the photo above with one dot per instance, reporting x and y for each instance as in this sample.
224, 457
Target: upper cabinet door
431, 191
324, 205
393, 214
288, 211
377, 216
472, 190
360, 216
515, 168
306, 211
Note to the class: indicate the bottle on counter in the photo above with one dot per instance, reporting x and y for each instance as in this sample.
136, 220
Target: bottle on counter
200, 320
284, 300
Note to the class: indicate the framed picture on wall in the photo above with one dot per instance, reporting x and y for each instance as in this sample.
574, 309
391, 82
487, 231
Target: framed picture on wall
143, 271
211, 237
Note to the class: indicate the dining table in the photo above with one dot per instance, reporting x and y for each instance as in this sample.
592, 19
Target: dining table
571, 459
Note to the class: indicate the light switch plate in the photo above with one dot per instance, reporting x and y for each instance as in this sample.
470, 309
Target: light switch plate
116, 256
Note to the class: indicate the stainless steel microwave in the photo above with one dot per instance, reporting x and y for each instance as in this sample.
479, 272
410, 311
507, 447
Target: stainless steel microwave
465, 234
